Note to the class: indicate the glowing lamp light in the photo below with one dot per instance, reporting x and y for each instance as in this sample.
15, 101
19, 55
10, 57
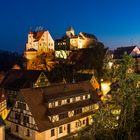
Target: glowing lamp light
105, 87
110, 65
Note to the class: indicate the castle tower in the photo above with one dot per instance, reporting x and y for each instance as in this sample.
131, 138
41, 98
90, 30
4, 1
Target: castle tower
70, 32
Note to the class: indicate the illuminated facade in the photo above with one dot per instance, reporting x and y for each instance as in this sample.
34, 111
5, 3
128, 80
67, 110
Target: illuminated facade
38, 42
53, 112
2, 129
71, 41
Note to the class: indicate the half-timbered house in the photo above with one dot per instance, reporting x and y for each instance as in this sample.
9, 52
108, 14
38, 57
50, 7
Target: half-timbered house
17, 79
53, 112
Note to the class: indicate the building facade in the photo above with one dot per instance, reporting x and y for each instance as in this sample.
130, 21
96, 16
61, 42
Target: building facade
17, 79
53, 112
40, 41
71, 42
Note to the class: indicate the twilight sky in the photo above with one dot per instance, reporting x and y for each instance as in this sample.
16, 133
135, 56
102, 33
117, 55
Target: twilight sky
114, 22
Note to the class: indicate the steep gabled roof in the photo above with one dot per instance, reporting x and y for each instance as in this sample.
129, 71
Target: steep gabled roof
16, 79
38, 35
70, 28
38, 105
88, 35
121, 50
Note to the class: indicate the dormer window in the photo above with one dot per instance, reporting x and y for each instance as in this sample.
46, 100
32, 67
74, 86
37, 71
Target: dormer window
59, 102
22, 106
68, 101
77, 111
63, 115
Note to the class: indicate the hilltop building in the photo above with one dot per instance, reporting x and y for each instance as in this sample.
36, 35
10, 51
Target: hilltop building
133, 51
40, 41
53, 112
71, 42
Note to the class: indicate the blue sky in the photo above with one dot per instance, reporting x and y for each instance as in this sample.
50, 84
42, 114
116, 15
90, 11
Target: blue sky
114, 22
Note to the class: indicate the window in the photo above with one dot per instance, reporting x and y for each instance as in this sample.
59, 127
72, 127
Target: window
78, 124
60, 129
17, 129
28, 132
42, 79
81, 97
63, 115
22, 106
59, 102
53, 104
77, 111
86, 96
25, 119
73, 99
68, 100
84, 121
52, 132
17, 117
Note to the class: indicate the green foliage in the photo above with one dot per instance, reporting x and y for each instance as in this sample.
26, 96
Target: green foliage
118, 118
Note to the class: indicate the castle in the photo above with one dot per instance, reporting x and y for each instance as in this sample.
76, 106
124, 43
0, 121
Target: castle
42, 41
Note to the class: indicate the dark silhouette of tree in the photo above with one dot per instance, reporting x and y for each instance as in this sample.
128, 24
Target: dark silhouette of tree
9, 59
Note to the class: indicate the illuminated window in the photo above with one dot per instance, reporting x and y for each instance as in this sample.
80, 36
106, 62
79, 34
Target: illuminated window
73, 99
78, 124
53, 104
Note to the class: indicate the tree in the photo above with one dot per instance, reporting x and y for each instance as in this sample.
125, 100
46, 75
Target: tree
43, 61
99, 53
118, 117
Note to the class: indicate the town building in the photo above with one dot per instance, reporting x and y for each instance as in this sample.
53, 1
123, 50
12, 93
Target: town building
133, 51
53, 112
17, 79
39, 41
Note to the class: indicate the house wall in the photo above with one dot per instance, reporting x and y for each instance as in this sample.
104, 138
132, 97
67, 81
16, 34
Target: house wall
2, 133
44, 44
22, 132
46, 135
